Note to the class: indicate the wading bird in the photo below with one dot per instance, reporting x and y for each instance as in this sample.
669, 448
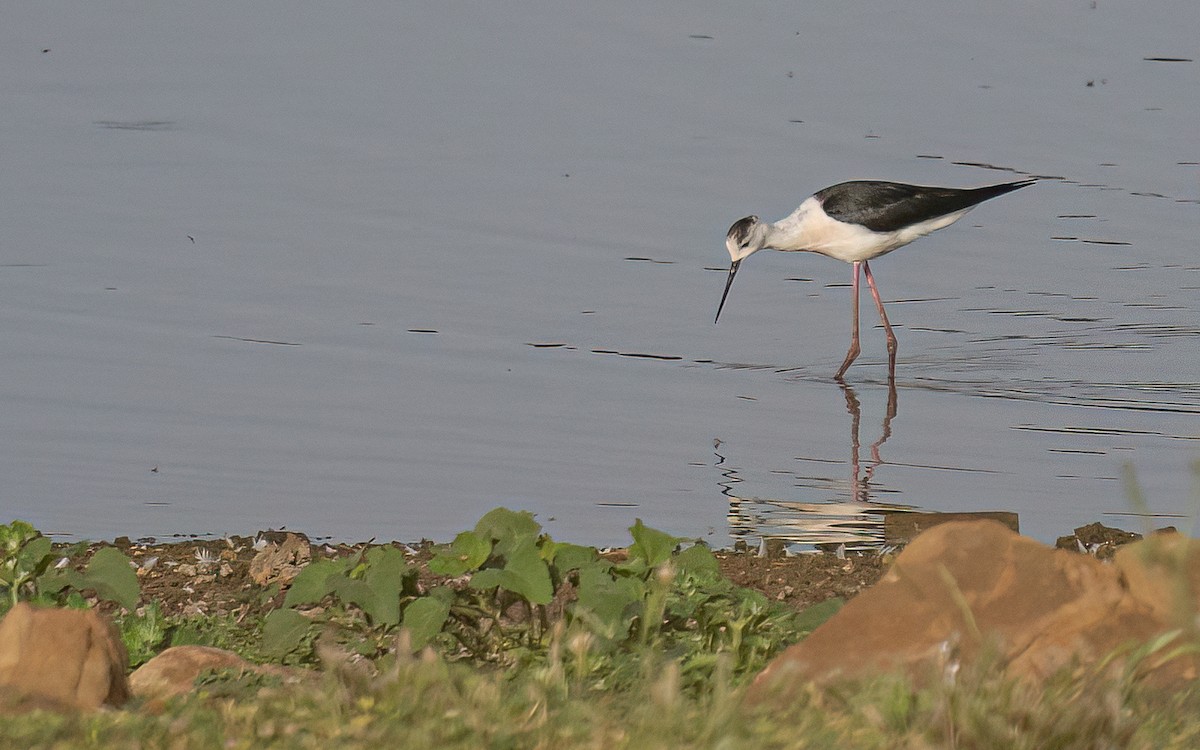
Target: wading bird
856, 222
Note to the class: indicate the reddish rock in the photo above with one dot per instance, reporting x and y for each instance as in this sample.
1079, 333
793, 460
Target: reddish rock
65, 657
964, 586
1163, 572
174, 671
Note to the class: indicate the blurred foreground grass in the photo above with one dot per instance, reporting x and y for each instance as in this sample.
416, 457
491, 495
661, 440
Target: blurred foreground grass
426, 702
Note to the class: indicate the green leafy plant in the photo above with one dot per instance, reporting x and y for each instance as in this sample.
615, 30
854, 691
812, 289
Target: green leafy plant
368, 591
144, 633
664, 602
25, 556
29, 571
508, 586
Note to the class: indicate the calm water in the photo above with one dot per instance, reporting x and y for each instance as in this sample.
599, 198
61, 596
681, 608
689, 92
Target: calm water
371, 270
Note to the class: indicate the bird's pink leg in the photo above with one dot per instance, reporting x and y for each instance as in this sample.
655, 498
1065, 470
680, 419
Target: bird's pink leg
887, 327
854, 348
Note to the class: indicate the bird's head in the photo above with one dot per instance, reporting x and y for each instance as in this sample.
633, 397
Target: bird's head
746, 237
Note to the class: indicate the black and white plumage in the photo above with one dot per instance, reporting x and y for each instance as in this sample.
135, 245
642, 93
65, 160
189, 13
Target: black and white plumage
855, 222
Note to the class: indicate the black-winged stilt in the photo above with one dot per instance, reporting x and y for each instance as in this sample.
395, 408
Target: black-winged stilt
855, 222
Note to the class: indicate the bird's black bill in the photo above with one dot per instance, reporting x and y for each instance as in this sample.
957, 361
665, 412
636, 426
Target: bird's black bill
733, 267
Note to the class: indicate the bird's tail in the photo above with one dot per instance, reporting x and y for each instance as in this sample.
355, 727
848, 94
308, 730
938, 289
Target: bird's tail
992, 191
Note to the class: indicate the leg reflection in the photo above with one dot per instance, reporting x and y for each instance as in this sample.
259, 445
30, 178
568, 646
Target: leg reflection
860, 481
811, 516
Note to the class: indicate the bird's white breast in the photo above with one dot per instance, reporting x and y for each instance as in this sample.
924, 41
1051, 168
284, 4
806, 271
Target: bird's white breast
810, 229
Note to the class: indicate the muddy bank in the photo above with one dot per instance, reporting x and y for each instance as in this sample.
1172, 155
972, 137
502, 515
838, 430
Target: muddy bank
214, 577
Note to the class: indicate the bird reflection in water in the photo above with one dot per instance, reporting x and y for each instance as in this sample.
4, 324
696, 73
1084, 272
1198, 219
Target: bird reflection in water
861, 485
857, 521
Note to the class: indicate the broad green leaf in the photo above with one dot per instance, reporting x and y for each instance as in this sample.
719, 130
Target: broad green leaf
314, 582
424, 619
113, 578
386, 566
283, 630
55, 581
384, 609
387, 562
384, 577
444, 594
35, 557
508, 528
611, 601
524, 574
530, 573
565, 556
360, 594
609, 605
651, 545
697, 561
813, 617
353, 565
467, 552
489, 578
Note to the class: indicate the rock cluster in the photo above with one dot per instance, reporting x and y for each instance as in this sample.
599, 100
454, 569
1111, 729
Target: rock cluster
963, 588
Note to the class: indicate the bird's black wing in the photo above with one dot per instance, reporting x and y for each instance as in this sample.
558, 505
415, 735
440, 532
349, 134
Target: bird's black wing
890, 206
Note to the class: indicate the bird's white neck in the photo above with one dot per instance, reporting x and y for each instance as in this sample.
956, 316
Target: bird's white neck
811, 229
794, 232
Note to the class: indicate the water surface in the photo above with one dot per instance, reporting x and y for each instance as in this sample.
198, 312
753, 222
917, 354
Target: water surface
371, 270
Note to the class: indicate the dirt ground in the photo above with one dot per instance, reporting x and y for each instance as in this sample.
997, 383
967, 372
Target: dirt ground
194, 577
